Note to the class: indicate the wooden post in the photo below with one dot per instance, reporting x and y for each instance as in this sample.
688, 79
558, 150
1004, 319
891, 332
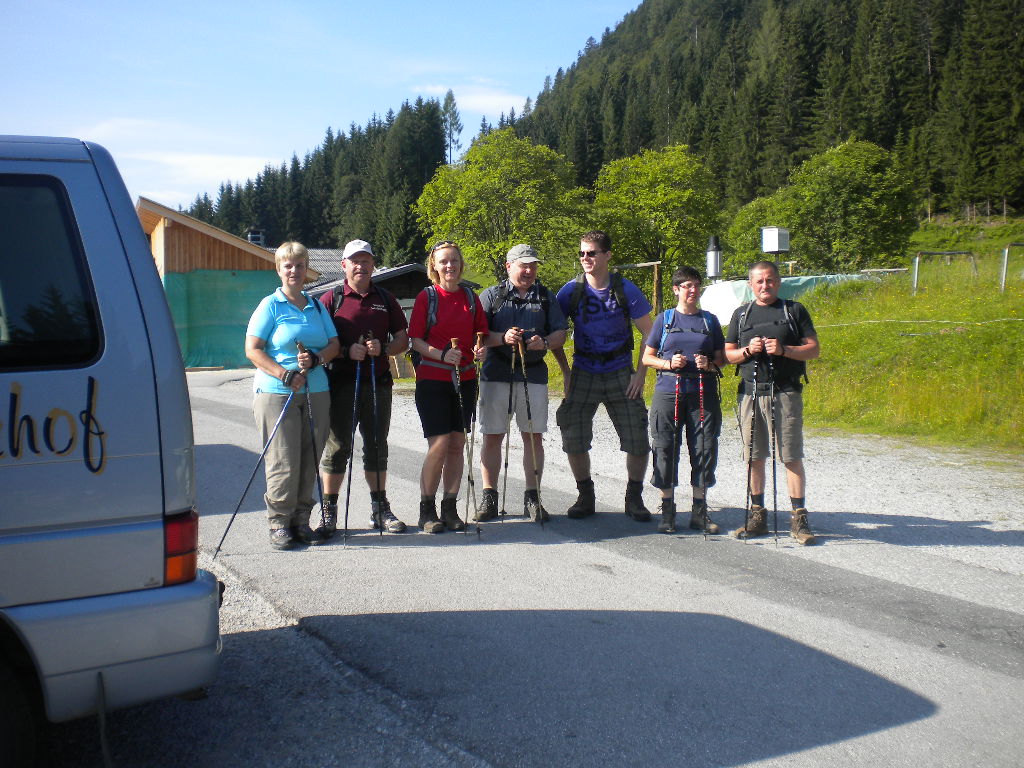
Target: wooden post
657, 289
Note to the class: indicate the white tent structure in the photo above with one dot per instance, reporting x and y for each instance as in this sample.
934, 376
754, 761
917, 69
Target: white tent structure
721, 299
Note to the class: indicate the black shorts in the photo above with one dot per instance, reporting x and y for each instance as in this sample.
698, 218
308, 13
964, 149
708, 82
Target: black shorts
439, 407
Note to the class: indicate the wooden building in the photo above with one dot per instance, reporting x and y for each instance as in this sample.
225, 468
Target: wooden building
213, 281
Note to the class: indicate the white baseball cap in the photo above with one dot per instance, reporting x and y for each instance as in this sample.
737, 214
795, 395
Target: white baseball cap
356, 246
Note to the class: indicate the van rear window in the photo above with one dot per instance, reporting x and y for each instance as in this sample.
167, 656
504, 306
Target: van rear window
47, 308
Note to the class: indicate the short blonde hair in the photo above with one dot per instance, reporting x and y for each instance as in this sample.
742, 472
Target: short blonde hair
444, 245
291, 250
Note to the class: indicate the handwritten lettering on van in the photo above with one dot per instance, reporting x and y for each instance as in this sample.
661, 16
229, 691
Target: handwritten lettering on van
59, 433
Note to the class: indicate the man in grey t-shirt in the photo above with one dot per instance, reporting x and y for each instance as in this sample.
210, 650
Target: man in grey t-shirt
519, 310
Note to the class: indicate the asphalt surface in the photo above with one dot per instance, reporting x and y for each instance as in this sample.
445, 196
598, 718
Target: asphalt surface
898, 639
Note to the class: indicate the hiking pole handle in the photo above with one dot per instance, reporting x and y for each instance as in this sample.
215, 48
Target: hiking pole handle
370, 337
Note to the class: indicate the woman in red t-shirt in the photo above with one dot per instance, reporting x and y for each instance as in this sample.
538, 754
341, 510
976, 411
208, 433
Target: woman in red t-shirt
458, 317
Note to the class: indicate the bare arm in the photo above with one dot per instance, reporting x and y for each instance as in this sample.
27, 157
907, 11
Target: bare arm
398, 344
255, 350
636, 384
452, 356
807, 349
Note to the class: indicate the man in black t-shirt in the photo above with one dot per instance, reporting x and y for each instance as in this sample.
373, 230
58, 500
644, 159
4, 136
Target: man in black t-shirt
770, 339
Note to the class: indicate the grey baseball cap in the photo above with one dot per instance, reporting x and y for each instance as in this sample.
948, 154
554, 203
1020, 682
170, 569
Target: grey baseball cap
522, 252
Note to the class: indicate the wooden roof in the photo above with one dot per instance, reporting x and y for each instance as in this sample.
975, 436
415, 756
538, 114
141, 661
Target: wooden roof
151, 213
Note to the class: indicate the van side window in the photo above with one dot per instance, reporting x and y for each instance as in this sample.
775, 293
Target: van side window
48, 312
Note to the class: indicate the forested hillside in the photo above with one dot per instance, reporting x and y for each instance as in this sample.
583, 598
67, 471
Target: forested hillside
757, 86
753, 88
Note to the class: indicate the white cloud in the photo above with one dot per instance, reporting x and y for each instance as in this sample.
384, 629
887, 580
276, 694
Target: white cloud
175, 178
483, 96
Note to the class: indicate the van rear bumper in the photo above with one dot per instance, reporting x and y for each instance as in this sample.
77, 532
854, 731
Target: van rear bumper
147, 644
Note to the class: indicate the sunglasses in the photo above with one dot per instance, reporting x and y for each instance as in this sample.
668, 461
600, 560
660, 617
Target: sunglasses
590, 254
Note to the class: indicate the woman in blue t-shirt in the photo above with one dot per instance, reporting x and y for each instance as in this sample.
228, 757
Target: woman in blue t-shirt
283, 320
686, 348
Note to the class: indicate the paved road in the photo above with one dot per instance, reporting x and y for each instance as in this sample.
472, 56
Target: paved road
898, 640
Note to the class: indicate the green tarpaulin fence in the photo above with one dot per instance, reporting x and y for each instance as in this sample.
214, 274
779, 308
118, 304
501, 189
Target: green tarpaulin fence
211, 310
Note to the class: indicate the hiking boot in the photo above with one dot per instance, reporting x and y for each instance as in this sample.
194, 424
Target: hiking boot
699, 518
382, 518
533, 509
799, 529
306, 535
450, 515
429, 522
328, 520
489, 509
585, 504
668, 517
757, 523
281, 538
635, 503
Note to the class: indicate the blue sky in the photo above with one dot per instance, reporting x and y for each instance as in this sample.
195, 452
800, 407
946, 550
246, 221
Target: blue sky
190, 94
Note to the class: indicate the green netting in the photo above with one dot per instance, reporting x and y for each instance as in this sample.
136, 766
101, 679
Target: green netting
211, 309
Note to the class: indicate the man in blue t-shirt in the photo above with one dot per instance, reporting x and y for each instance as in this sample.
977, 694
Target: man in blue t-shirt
603, 307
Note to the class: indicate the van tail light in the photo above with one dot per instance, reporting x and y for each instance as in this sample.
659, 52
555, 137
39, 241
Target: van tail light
181, 542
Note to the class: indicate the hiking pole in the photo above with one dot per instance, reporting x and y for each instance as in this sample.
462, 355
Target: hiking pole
703, 452
376, 427
771, 435
457, 383
750, 449
472, 440
674, 456
312, 438
352, 446
529, 425
508, 431
254, 470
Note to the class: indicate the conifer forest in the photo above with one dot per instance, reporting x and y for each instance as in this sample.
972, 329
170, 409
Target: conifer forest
754, 89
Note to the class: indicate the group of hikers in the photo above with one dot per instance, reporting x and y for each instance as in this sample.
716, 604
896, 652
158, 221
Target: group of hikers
323, 372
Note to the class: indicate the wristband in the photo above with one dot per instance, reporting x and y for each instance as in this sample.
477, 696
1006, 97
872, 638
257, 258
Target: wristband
287, 376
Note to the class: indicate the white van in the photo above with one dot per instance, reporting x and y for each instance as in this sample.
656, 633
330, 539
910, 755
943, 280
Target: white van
101, 603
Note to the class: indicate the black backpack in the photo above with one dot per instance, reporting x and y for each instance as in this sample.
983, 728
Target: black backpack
504, 292
800, 365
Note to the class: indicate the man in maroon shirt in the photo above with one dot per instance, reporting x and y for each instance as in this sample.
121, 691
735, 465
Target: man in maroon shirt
369, 321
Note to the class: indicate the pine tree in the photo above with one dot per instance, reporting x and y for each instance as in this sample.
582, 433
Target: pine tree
452, 125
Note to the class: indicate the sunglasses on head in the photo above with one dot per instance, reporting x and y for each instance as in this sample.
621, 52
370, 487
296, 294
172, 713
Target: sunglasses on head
444, 244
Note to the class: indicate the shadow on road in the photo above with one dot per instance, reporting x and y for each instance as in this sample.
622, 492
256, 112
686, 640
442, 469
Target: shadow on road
224, 468
607, 687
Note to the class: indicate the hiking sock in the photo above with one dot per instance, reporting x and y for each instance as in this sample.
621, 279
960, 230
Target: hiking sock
797, 501
331, 498
757, 498
378, 496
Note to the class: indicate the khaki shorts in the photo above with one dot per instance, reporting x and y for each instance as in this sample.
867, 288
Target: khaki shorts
493, 414
789, 426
